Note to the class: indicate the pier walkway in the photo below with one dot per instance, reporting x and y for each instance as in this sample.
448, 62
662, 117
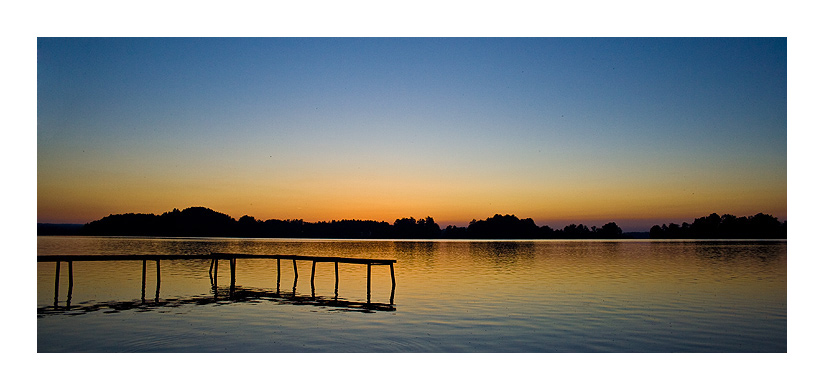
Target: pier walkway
213, 267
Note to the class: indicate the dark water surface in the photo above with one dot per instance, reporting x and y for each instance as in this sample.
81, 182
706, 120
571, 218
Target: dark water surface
451, 296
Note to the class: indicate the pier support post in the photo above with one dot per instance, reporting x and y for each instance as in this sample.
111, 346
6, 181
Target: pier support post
312, 280
56, 282
216, 276
211, 279
231, 277
336, 280
157, 287
369, 277
295, 282
392, 292
295, 269
143, 284
71, 285
278, 286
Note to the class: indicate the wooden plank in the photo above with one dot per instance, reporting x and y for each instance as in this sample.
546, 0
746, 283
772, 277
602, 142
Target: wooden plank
118, 257
307, 258
140, 257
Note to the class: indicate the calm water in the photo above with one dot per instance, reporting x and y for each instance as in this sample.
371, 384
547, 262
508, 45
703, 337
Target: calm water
451, 296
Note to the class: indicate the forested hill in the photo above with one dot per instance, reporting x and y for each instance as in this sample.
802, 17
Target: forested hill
200, 222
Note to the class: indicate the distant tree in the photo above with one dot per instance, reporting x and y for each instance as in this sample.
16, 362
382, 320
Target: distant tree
657, 232
410, 228
453, 232
704, 227
429, 228
609, 231
404, 228
249, 227
503, 227
763, 226
574, 231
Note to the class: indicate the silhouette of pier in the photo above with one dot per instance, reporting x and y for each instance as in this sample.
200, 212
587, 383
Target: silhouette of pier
214, 258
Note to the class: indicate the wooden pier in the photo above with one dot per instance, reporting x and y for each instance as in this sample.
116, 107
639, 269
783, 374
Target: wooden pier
213, 268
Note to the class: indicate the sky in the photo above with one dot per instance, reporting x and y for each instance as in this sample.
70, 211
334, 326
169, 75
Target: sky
639, 131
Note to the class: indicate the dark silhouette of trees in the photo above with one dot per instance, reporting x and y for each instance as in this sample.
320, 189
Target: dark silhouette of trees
713, 226
503, 227
421, 229
453, 232
574, 231
195, 221
200, 221
248, 226
609, 231
129, 224
283, 229
348, 229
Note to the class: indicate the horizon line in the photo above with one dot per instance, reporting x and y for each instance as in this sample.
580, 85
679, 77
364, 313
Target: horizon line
464, 225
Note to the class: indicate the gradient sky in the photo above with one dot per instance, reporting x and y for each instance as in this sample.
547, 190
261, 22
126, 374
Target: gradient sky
638, 131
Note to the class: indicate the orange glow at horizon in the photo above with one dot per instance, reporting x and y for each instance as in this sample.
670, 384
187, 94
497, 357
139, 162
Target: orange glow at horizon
384, 200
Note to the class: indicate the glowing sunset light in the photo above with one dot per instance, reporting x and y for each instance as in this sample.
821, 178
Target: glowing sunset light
638, 131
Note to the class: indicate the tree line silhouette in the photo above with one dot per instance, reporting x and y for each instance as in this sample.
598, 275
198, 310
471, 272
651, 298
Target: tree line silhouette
713, 226
200, 222
511, 227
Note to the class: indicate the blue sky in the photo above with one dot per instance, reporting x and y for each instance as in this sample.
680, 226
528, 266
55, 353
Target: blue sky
638, 131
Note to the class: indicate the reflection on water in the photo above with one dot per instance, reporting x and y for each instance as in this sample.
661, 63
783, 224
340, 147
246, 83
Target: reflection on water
496, 251
452, 296
219, 296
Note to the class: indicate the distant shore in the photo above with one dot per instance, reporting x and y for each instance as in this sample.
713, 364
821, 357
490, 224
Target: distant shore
204, 222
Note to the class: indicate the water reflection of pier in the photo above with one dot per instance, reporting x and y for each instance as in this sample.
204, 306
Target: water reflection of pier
213, 273
241, 294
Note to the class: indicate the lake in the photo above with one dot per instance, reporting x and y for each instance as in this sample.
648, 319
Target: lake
451, 296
